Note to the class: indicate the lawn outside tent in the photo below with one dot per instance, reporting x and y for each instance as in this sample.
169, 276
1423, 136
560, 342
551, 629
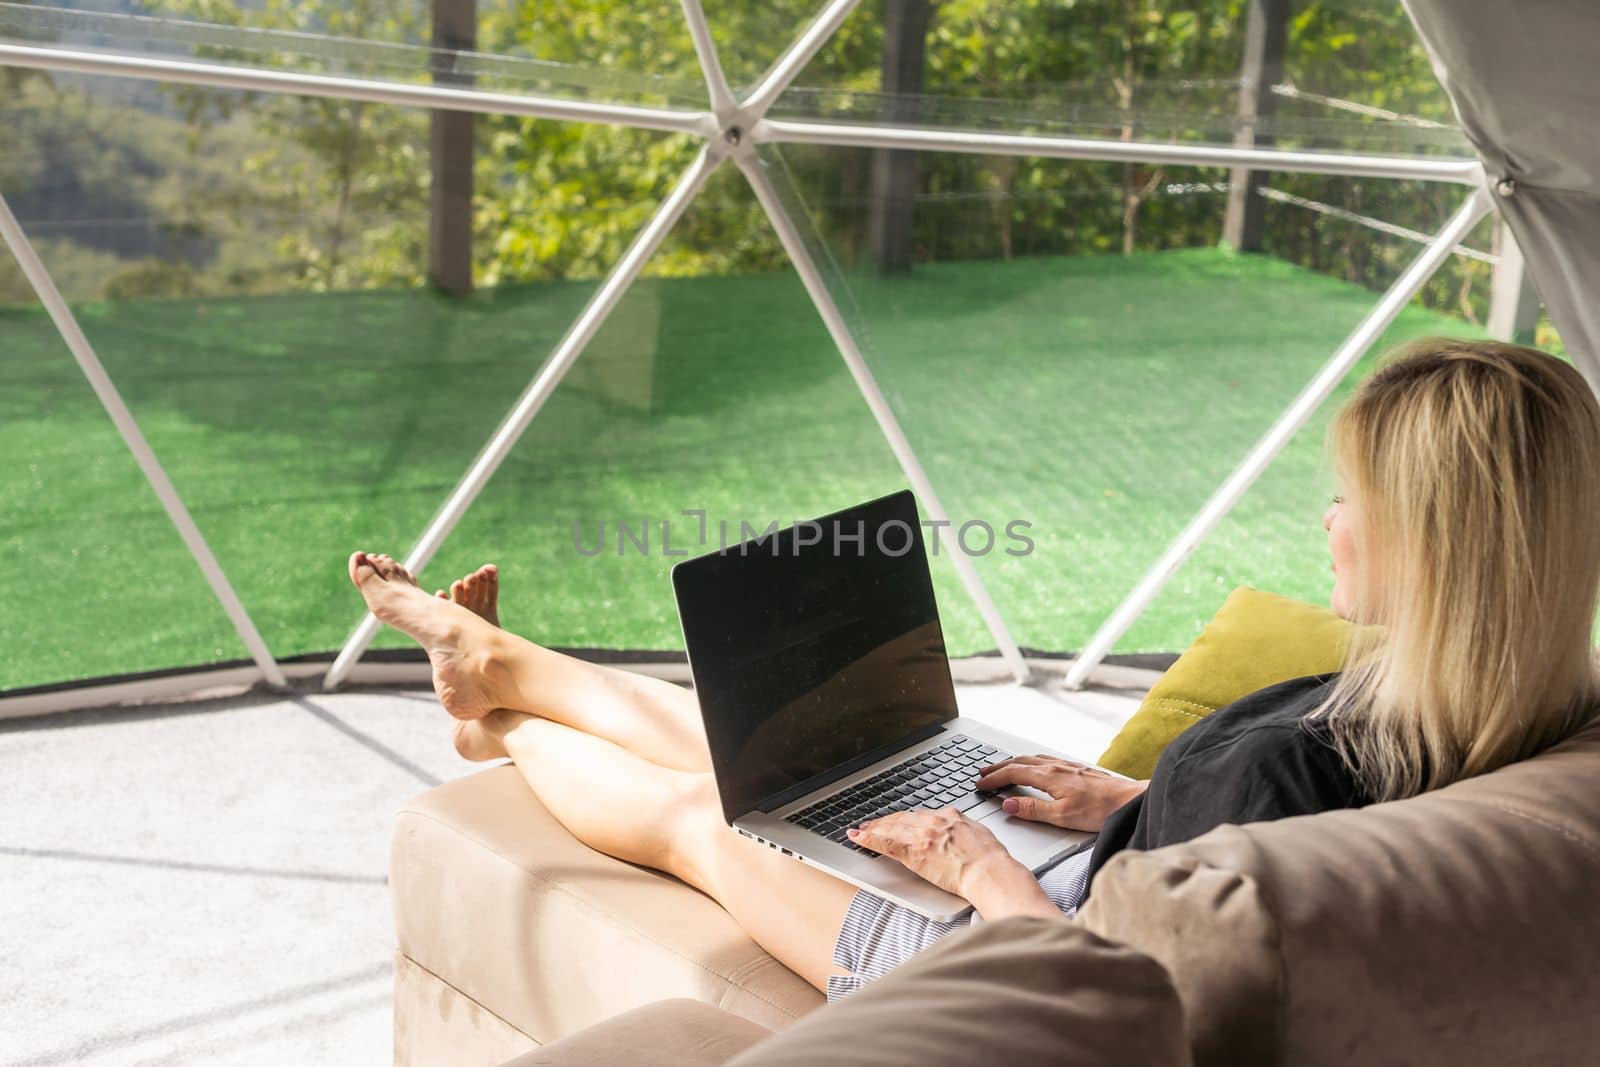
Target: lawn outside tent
1099, 399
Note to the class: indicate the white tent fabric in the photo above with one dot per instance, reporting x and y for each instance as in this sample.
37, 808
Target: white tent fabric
1519, 77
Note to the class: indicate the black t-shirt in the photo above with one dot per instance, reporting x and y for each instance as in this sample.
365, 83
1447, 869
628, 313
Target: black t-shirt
1250, 761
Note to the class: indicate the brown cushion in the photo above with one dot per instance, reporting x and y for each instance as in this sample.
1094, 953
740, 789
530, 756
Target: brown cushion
494, 897
1018, 991
668, 1033
1459, 927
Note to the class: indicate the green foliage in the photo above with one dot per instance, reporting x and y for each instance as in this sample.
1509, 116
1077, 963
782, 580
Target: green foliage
352, 176
78, 271
563, 200
1371, 53
117, 198
272, 191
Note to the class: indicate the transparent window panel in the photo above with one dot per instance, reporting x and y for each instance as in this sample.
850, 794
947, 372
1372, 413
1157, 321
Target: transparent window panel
1355, 77
581, 51
712, 388
255, 265
1044, 375
253, 282
1273, 538
100, 582
750, 39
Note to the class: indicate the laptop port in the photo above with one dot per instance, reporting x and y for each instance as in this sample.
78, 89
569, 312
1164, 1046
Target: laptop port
786, 852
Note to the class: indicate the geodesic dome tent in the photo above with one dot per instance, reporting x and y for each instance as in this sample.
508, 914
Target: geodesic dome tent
807, 257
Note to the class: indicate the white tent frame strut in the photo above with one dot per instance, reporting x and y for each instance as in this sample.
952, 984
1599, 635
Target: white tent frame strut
734, 128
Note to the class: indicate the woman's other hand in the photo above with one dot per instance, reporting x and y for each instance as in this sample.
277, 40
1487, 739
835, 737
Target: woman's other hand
959, 856
1082, 796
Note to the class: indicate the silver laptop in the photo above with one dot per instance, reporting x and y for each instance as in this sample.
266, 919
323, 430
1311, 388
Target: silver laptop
820, 669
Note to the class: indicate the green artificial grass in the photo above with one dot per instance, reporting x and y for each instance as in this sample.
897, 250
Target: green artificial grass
1100, 399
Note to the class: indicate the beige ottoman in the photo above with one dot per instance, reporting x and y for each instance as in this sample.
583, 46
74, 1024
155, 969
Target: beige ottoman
512, 934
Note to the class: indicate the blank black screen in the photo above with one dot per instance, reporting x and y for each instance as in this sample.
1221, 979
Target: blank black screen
807, 657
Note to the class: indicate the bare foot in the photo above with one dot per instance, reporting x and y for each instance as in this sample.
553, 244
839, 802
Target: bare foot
478, 592
484, 738
459, 643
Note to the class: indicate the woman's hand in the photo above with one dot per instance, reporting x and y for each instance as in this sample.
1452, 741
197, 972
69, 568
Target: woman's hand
1082, 797
959, 856
943, 846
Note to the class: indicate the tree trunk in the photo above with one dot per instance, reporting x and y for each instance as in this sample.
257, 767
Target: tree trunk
451, 137
1125, 95
347, 151
1266, 36
894, 173
1004, 172
1130, 209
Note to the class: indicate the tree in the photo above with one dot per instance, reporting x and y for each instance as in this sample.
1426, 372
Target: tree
894, 174
353, 172
340, 187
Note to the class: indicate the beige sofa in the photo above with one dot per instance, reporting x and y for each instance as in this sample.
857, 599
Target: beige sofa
1461, 927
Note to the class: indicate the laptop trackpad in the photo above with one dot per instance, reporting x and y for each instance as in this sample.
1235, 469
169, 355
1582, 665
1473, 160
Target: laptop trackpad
1031, 843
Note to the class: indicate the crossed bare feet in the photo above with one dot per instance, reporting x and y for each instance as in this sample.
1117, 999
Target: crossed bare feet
459, 634
478, 592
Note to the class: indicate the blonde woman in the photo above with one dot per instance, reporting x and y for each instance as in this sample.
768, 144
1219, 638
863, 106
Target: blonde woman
1464, 526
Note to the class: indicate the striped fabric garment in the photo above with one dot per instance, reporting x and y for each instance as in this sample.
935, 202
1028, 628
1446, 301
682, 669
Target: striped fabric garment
878, 936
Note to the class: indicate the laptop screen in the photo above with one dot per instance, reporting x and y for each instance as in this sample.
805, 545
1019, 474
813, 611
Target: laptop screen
815, 651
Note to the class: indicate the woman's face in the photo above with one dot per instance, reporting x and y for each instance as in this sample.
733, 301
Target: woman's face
1339, 520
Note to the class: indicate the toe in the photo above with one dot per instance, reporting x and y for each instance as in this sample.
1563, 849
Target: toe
360, 567
458, 591
388, 569
491, 595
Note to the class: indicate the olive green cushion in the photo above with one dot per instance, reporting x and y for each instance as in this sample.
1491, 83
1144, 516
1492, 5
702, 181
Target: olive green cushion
1257, 639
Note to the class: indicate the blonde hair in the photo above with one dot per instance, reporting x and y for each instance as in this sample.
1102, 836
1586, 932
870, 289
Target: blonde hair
1474, 469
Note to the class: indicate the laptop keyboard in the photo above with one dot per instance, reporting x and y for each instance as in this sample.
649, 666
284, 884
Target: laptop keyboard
941, 777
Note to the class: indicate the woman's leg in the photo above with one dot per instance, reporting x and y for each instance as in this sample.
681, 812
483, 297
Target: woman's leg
478, 666
650, 717
610, 791
630, 808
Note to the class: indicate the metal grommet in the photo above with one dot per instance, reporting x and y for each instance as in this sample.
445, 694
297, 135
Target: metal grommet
1506, 186
732, 135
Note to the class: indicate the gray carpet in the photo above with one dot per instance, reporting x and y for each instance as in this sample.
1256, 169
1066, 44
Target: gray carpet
206, 882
